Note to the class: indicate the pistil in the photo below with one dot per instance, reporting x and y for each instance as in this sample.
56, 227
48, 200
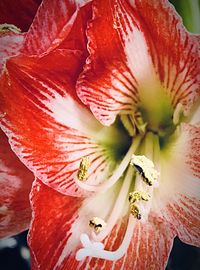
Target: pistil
96, 249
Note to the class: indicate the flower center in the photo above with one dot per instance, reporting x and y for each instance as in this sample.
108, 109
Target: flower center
140, 178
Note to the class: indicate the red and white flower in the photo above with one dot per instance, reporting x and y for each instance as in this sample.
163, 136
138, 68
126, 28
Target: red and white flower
105, 89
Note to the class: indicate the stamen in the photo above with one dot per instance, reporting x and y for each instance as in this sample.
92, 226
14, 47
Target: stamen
145, 168
96, 249
135, 211
140, 207
137, 196
118, 207
83, 169
116, 175
98, 224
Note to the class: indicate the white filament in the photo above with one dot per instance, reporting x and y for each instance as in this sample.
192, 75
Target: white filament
116, 175
118, 207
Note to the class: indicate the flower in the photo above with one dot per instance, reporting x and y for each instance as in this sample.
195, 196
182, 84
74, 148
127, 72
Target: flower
121, 185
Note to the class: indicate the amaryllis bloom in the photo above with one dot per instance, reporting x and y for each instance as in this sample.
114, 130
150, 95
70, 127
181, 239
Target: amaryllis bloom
101, 103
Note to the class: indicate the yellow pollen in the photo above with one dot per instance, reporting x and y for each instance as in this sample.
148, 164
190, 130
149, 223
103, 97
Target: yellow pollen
137, 196
4, 28
83, 169
135, 211
145, 168
97, 224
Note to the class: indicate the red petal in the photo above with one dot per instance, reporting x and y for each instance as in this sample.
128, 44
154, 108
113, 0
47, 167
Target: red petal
10, 45
15, 185
54, 219
53, 23
151, 245
149, 248
184, 213
19, 13
137, 47
54, 215
48, 129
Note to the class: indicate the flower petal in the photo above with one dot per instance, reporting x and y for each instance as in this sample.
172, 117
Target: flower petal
10, 45
47, 126
53, 23
15, 185
136, 48
178, 197
60, 220
149, 249
184, 213
24, 15
151, 245
61, 229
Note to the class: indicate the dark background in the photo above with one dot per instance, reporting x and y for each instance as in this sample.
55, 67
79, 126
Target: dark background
183, 257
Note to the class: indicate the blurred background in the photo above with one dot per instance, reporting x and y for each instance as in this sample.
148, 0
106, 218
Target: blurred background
14, 253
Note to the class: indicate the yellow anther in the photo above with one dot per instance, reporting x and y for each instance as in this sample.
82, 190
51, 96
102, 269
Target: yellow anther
138, 196
83, 169
97, 224
145, 168
5, 27
135, 211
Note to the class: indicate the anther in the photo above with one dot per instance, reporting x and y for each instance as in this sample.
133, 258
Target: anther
145, 168
137, 196
97, 224
135, 211
83, 169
